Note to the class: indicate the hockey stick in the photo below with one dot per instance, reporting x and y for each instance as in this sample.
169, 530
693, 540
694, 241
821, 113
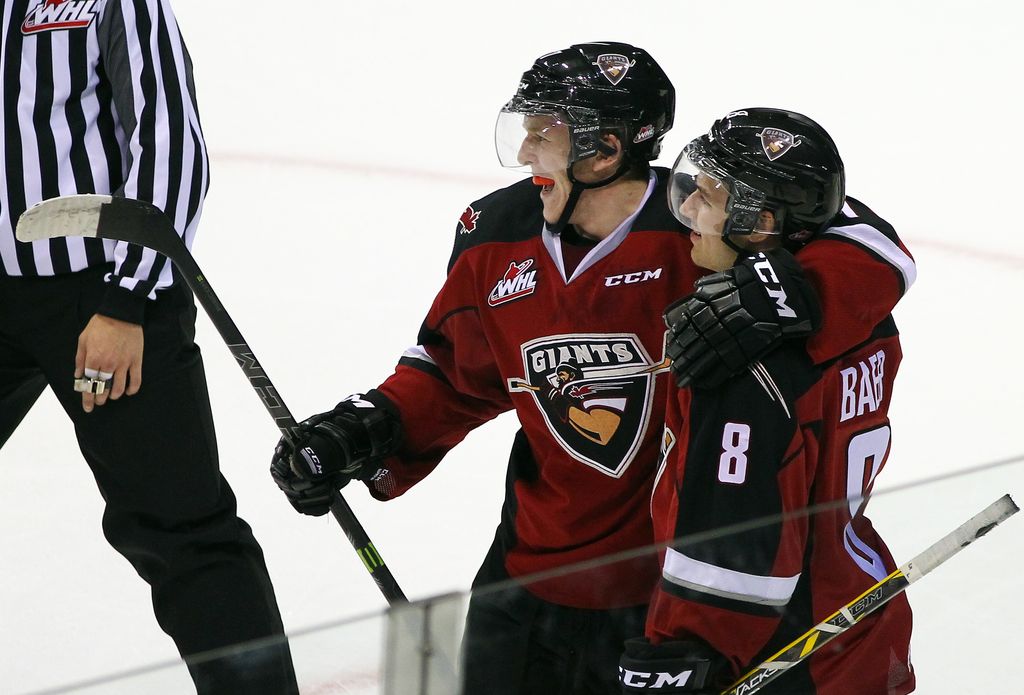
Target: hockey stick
139, 222
598, 373
875, 597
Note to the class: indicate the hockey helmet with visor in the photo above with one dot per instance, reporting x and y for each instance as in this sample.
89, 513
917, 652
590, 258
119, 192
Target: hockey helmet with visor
764, 170
571, 98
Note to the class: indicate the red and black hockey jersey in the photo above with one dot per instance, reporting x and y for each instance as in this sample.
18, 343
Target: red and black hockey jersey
789, 434
581, 359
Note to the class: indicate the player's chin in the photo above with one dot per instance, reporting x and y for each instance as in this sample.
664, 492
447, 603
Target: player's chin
553, 210
554, 202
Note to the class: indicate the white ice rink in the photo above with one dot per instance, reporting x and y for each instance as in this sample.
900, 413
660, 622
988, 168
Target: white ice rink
346, 138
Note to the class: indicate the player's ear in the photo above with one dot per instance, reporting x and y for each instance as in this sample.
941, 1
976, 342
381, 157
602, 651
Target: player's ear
759, 241
609, 153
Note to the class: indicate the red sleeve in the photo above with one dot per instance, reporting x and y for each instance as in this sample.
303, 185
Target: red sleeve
860, 269
444, 387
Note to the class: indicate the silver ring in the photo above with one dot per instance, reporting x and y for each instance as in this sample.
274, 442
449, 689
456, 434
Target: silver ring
91, 373
106, 376
90, 385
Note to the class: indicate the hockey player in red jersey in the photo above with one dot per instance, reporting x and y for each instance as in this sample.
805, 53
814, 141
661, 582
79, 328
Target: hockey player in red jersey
551, 307
786, 434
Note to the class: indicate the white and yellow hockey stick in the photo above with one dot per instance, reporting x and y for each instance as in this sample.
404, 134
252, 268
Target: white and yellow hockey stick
875, 597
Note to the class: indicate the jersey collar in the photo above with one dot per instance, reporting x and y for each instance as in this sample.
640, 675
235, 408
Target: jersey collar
604, 247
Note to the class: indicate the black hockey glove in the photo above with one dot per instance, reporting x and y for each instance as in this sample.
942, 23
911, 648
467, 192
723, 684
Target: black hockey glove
332, 448
671, 667
737, 316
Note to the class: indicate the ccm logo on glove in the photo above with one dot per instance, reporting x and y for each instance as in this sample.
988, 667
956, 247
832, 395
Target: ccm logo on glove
312, 461
653, 681
766, 273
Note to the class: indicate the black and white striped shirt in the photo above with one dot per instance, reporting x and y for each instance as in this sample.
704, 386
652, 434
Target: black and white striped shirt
97, 97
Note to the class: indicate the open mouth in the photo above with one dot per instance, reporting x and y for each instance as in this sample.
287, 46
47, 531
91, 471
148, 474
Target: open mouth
544, 182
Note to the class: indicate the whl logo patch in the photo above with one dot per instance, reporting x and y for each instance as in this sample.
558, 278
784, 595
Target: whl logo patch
518, 282
645, 133
594, 392
57, 15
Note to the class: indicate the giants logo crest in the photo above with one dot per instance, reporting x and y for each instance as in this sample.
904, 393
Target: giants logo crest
595, 393
54, 15
614, 66
776, 142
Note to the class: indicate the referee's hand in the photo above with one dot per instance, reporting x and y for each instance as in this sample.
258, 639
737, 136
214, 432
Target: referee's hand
110, 347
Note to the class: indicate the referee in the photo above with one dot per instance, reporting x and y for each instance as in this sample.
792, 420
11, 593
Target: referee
97, 97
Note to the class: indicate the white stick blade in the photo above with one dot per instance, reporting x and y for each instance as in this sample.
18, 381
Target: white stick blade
72, 215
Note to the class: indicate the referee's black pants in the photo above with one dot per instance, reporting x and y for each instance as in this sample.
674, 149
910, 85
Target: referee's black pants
154, 456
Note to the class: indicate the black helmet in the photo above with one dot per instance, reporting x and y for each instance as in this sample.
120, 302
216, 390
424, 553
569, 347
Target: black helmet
599, 88
769, 159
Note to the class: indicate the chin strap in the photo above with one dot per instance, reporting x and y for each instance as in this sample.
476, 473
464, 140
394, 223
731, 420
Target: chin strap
576, 191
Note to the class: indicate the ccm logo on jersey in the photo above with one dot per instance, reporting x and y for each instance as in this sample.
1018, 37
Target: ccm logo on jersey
632, 278
766, 273
54, 15
518, 282
644, 680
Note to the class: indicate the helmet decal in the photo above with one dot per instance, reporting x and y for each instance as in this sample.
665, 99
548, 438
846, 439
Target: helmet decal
776, 142
614, 66
594, 88
645, 133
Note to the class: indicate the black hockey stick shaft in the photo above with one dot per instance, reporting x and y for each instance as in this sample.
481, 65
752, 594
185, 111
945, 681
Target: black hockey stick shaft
141, 223
875, 597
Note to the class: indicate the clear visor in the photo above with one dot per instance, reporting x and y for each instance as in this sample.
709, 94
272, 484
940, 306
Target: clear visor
541, 142
707, 201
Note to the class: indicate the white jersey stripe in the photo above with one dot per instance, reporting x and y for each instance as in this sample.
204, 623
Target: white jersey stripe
136, 54
718, 581
868, 236
61, 70
863, 555
8, 256
418, 352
